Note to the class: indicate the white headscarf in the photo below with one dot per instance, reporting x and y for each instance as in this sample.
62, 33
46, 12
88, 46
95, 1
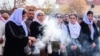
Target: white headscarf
74, 30
16, 17
36, 14
86, 20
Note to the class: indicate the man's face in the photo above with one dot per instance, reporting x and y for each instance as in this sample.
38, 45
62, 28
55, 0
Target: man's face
30, 14
66, 18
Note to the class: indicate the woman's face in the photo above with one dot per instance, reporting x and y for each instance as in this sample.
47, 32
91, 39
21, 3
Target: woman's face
40, 17
90, 17
59, 18
24, 16
73, 19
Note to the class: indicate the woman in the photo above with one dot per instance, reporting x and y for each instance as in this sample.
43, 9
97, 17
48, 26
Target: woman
16, 34
36, 30
74, 32
90, 34
58, 37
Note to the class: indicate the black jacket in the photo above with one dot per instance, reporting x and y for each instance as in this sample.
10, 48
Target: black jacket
36, 29
15, 40
86, 32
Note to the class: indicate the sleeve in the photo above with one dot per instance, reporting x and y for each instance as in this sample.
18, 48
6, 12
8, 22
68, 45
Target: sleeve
33, 30
10, 31
96, 33
85, 33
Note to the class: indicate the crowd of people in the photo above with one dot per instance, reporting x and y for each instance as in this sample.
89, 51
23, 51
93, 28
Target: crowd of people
29, 32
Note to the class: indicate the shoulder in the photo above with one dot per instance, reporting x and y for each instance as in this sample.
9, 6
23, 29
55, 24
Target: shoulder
94, 25
26, 21
1, 23
35, 23
83, 23
10, 23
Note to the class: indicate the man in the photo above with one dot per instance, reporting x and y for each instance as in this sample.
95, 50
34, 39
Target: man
5, 16
66, 18
29, 20
3, 20
80, 20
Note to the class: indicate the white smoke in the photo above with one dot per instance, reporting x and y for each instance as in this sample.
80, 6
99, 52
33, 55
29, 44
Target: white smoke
52, 31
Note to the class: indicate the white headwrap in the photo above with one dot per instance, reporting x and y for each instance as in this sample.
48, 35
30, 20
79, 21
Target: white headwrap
16, 17
86, 20
36, 14
74, 30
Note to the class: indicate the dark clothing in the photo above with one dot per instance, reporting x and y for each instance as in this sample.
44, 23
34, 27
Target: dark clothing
65, 22
76, 52
15, 40
85, 30
86, 40
28, 23
98, 23
36, 29
44, 52
54, 54
57, 54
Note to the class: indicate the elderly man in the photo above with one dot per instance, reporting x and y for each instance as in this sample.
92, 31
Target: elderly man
3, 20
5, 16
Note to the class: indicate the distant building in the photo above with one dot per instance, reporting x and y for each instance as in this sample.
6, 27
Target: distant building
96, 4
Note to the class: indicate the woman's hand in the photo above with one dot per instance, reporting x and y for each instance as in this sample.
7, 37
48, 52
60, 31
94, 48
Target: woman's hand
93, 45
32, 39
29, 42
73, 47
62, 46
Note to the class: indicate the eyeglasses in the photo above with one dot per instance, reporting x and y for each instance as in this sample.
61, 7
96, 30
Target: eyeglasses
59, 17
40, 15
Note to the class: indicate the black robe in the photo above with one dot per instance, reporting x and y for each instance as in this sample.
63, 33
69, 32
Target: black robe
15, 40
86, 40
36, 29
85, 30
